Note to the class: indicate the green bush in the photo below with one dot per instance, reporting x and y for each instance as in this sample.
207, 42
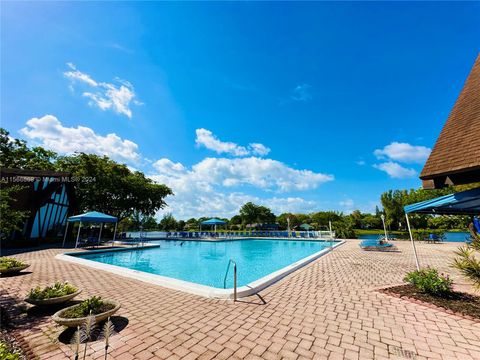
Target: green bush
49, 292
429, 281
9, 263
93, 306
6, 354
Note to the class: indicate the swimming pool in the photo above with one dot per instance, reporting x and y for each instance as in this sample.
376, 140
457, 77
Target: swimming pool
203, 264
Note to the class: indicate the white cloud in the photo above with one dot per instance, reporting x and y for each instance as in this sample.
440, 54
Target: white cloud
210, 141
395, 170
201, 189
403, 152
266, 174
206, 138
259, 149
360, 162
302, 93
51, 134
168, 167
106, 96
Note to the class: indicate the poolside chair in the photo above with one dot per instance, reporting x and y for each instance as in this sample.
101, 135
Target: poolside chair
378, 245
90, 241
434, 238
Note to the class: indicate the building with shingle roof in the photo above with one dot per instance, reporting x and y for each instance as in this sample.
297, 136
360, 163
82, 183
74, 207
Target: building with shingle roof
455, 158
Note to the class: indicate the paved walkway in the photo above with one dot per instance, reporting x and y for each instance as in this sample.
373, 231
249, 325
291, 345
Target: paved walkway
326, 310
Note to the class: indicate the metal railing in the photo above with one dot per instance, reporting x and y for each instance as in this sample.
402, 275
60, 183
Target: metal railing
234, 278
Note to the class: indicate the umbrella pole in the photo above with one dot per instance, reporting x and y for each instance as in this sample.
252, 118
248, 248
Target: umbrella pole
100, 235
114, 233
65, 235
413, 243
78, 234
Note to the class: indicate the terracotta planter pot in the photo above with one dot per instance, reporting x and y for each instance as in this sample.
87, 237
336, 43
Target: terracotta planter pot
14, 270
59, 319
53, 301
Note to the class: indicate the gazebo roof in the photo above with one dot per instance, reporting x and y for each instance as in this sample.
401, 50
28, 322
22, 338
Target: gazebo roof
462, 203
455, 158
93, 216
213, 222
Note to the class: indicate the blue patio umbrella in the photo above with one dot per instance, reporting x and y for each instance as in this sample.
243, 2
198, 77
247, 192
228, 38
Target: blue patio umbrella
214, 222
92, 217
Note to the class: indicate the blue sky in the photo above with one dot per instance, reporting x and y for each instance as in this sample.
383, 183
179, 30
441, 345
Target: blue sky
297, 106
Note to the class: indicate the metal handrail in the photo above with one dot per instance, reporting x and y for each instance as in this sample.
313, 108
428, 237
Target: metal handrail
234, 278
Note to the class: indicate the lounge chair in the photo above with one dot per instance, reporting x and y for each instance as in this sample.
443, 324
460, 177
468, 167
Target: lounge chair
379, 245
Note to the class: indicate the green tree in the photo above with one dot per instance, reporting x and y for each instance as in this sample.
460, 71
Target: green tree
283, 222
370, 221
344, 228
10, 218
322, 218
106, 186
15, 154
149, 223
393, 202
191, 224
180, 225
357, 219
251, 213
167, 223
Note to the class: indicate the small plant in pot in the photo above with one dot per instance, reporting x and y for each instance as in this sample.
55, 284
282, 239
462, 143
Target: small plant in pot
57, 293
77, 315
11, 265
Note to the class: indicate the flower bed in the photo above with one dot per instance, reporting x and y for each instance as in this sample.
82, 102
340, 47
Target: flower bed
458, 303
11, 265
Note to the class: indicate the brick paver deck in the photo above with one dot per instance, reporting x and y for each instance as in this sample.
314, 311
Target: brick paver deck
326, 310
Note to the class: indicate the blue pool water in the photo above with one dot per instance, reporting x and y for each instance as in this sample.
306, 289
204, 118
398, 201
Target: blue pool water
449, 236
205, 262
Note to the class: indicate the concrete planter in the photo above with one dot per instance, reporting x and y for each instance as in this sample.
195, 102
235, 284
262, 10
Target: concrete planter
59, 319
53, 301
14, 270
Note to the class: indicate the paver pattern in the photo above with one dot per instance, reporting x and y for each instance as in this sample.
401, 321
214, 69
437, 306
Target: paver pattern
329, 309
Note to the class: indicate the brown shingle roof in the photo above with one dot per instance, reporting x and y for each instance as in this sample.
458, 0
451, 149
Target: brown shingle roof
457, 149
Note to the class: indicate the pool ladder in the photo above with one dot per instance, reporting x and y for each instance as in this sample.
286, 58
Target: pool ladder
234, 278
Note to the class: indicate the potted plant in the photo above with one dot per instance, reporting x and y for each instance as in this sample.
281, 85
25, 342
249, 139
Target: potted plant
11, 266
77, 315
56, 294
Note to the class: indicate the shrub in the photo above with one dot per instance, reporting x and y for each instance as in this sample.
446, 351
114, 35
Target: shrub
6, 354
9, 263
429, 281
93, 306
468, 263
49, 292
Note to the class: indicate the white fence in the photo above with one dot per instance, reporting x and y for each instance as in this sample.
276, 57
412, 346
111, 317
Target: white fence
150, 235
